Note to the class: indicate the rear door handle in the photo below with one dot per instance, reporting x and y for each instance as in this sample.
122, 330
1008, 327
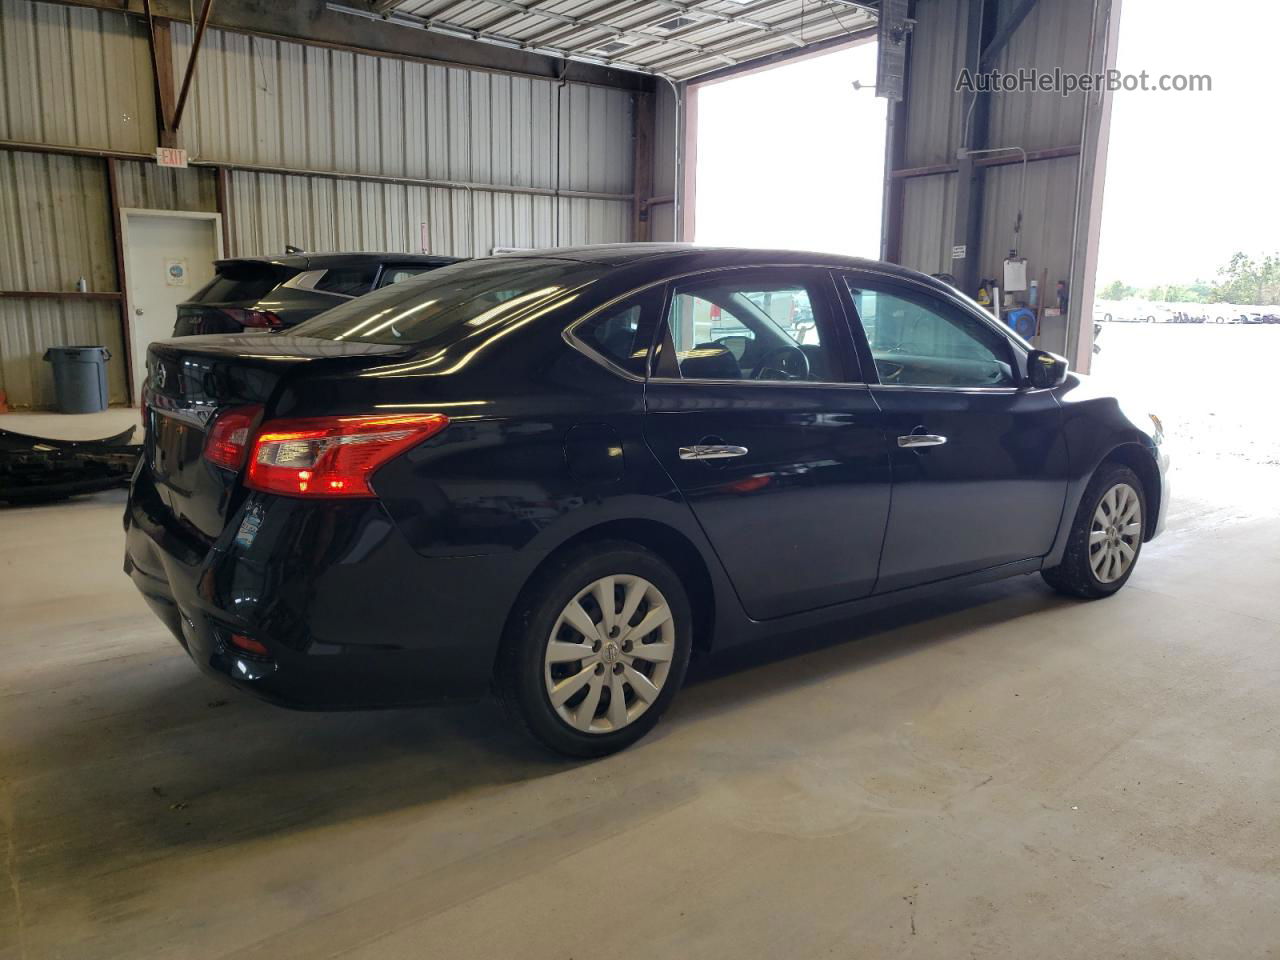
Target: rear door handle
921, 440
712, 451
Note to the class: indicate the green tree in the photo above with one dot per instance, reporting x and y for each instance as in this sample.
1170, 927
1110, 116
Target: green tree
1198, 292
1246, 280
1115, 290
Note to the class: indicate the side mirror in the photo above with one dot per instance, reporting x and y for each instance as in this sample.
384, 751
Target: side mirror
1046, 370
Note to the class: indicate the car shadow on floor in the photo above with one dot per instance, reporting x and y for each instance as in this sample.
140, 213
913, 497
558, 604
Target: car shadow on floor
177, 761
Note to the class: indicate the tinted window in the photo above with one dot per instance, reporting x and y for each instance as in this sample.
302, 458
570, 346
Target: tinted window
623, 333
394, 274
243, 282
347, 281
917, 340
473, 293
751, 327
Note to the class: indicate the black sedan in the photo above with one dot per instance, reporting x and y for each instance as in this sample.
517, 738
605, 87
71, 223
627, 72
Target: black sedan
558, 474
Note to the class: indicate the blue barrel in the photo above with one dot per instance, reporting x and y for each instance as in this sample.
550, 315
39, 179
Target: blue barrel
79, 378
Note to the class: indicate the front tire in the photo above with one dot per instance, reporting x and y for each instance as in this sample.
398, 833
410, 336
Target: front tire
597, 649
1106, 537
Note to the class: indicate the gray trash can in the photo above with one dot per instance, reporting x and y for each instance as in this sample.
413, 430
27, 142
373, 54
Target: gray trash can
79, 378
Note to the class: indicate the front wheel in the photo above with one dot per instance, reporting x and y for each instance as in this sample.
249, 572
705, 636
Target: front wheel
597, 650
1106, 538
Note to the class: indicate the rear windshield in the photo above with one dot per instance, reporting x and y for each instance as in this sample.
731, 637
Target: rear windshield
243, 282
432, 306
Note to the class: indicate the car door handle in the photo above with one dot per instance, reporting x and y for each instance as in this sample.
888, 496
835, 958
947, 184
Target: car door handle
712, 451
921, 440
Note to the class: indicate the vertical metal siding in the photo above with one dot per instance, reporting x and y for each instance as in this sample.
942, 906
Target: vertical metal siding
167, 188
1045, 238
279, 103
928, 222
1055, 34
321, 213
29, 327
74, 76
935, 114
54, 229
53, 214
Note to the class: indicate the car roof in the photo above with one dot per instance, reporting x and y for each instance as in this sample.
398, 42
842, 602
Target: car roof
618, 254
316, 261
666, 255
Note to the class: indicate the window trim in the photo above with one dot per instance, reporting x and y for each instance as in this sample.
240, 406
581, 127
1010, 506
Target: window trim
572, 339
886, 282
844, 336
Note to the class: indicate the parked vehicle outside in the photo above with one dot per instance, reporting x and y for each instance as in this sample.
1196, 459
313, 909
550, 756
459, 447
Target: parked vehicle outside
556, 475
274, 293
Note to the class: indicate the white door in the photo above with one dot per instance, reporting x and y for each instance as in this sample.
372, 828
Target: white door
168, 257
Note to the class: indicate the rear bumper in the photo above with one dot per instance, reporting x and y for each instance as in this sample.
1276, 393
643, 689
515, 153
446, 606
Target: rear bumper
351, 616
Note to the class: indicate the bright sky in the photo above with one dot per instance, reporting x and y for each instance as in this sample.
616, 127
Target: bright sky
1191, 176
774, 170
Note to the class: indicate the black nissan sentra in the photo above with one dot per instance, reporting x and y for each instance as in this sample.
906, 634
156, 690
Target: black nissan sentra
557, 474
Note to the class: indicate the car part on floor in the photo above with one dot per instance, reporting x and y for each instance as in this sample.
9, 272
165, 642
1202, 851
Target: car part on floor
40, 469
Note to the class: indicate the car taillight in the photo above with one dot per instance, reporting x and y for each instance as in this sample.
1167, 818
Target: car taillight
333, 456
262, 319
228, 439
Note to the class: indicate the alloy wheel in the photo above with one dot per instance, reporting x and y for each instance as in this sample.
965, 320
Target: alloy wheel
609, 653
1115, 533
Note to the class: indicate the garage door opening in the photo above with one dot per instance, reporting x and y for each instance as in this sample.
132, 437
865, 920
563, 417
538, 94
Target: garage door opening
1187, 310
793, 156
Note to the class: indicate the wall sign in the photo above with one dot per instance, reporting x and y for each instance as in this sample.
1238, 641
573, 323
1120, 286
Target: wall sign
175, 273
171, 157
958, 251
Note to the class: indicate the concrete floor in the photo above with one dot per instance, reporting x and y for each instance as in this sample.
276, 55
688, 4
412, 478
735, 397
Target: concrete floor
1003, 774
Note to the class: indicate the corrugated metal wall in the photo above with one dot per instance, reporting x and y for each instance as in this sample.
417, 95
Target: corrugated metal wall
319, 213
275, 103
81, 77
73, 76
1054, 34
935, 113
167, 188
53, 221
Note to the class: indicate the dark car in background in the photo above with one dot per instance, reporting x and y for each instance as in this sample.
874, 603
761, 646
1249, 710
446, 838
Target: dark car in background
557, 474
273, 293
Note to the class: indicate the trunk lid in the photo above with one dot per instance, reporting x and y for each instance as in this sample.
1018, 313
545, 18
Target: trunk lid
191, 381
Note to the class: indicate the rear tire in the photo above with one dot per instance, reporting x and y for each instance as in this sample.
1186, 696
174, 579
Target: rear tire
581, 679
1106, 537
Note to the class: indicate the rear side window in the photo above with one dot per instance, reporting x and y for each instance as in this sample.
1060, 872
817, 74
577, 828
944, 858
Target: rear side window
347, 281
448, 302
622, 334
392, 273
246, 282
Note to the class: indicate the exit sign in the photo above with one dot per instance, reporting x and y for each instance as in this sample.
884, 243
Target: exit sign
171, 157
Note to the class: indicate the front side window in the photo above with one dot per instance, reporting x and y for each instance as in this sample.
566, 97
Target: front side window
918, 340
745, 325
